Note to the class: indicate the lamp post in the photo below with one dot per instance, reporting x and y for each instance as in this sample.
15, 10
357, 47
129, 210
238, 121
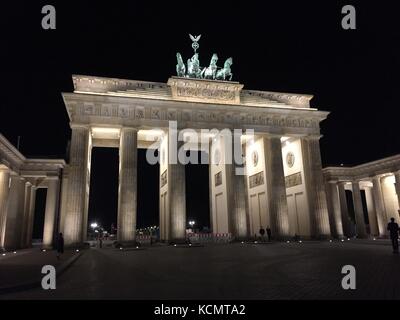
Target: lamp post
94, 226
192, 223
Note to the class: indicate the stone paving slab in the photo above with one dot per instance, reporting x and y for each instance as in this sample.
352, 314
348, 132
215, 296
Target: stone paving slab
22, 268
295, 271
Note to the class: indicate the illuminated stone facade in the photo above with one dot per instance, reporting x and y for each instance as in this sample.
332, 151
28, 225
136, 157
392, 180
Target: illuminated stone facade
282, 188
20, 177
379, 181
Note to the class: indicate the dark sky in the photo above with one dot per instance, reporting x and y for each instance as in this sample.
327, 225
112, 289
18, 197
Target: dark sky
289, 46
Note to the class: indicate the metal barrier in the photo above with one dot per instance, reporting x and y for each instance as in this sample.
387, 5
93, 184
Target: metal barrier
143, 239
210, 237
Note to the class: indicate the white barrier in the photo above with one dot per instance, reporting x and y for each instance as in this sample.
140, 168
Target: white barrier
143, 239
210, 237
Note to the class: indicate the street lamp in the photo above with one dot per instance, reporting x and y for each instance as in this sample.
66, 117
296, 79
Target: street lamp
94, 225
192, 223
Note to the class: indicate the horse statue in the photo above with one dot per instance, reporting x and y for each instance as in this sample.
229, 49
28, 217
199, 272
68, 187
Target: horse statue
225, 71
180, 67
193, 65
210, 72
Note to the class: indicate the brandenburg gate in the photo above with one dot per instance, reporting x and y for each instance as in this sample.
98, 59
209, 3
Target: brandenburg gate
282, 187
276, 181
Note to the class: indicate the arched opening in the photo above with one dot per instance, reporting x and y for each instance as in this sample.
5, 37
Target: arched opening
38, 218
103, 199
147, 194
197, 194
365, 211
351, 211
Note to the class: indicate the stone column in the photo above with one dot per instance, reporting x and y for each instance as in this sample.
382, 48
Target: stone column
379, 206
4, 193
373, 222
31, 215
177, 198
335, 212
15, 213
77, 186
358, 210
50, 216
25, 221
397, 186
127, 192
238, 189
315, 186
239, 214
276, 188
63, 200
210, 183
346, 223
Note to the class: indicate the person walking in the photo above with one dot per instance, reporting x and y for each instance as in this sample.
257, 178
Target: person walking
393, 228
100, 242
262, 232
269, 233
60, 245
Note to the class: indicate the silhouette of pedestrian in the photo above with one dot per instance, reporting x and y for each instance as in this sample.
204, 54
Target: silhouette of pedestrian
100, 242
262, 232
60, 245
393, 227
269, 233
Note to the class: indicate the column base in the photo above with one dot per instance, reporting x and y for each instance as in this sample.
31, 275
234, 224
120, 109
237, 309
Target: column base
81, 245
48, 247
179, 241
127, 244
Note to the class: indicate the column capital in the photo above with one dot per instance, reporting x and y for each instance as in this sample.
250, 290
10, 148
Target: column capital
14, 175
312, 137
4, 168
377, 177
79, 126
333, 181
355, 182
52, 178
270, 135
129, 128
367, 187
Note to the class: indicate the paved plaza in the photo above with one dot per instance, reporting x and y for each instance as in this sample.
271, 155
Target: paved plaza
308, 270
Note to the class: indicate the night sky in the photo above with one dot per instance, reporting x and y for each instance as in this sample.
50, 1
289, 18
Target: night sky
288, 46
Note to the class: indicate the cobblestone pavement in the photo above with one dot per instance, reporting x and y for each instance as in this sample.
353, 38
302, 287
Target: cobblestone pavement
308, 270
